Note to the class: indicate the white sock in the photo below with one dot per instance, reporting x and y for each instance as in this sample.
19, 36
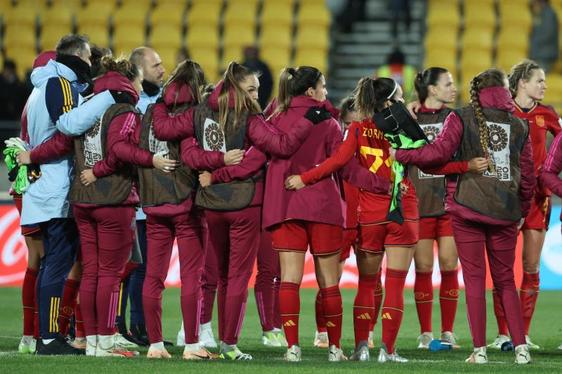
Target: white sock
47, 341
159, 346
192, 347
92, 340
205, 326
27, 339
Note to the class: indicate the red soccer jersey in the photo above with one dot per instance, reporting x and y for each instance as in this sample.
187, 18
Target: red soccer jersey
367, 142
541, 119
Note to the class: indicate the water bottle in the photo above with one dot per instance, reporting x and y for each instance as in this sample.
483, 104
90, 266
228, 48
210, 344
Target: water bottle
507, 346
439, 345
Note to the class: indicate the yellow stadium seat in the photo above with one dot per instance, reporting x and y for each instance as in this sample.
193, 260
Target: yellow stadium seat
167, 14
205, 36
312, 36
277, 13
94, 14
51, 34
240, 13
130, 14
56, 16
473, 62
239, 36
441, 37
516, 15
98, 34
479, 14
169, 56
313, 14
19, 38
276, 36
127, 37
141, 3
21, 16
206, 13
23, 58
180, 3
275, 56
445, 58
311, 57
506, 58
477, 39
444, 13
513, 37
232, 53
208, 59
166, 36
554, 90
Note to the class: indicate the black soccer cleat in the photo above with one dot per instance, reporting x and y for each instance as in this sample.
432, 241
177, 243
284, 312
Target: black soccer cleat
59, 346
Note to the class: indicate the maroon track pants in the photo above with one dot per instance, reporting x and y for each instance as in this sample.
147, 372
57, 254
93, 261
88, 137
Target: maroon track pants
106, 238
234, 236
498, 242
191, 233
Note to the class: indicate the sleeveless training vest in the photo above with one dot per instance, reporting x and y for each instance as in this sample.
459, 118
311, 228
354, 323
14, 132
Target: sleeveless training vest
234, 195
157, 187
430, 189
89, 149
495, 195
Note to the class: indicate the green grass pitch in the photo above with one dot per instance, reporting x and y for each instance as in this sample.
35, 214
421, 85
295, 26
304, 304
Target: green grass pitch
546, 331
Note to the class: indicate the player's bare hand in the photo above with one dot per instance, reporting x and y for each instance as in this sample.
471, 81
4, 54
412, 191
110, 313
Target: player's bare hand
205, 179
294, 182
23, 158
163, 164
87, 177
478, 165
233, 157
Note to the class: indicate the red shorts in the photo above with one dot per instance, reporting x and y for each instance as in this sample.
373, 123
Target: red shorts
349, 242
539, 214
435, 227
297, 236
374, 237
27, 230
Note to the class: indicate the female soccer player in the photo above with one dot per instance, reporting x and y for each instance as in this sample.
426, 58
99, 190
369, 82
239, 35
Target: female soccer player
486, 209
528, 85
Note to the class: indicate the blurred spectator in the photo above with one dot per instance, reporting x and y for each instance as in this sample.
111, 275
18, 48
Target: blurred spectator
544, 35
397, 69
13, 92
397, 9
252, 61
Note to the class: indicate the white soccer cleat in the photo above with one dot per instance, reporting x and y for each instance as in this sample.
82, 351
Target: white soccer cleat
293, 354
206, 337
335, 354
28, 345
450, 338
531, 344
321, 339
497, 343
361, 353
121, 342
424, 340
156, 353
180, 339
280, 337
478, 356
384, 356
269, 339
522, 354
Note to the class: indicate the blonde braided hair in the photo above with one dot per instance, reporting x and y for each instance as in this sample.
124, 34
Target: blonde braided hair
488, 78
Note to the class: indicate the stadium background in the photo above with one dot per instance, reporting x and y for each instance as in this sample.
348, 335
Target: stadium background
463, 36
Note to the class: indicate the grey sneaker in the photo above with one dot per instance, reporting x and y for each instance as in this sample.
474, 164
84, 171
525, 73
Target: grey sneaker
522, 354
384, 356
424, 340
497, 343
478, 356
361, 353
335, 354
293, 354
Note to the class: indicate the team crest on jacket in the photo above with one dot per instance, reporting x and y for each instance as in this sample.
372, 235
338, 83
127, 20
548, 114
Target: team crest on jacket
213, 139
92, 145
157, 146
431, 130
499, 150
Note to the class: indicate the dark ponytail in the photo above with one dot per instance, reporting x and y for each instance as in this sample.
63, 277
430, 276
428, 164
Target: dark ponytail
371, 95
294, 82
426, 78
190, 73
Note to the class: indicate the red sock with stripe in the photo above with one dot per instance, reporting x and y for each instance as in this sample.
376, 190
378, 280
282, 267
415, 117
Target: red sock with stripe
423, 294
331, 299
379, 293
449, 299
319, 311
393, 307
500, 314
79, 322
364, 307
528, 296
67, 305
289, 309
28, 301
